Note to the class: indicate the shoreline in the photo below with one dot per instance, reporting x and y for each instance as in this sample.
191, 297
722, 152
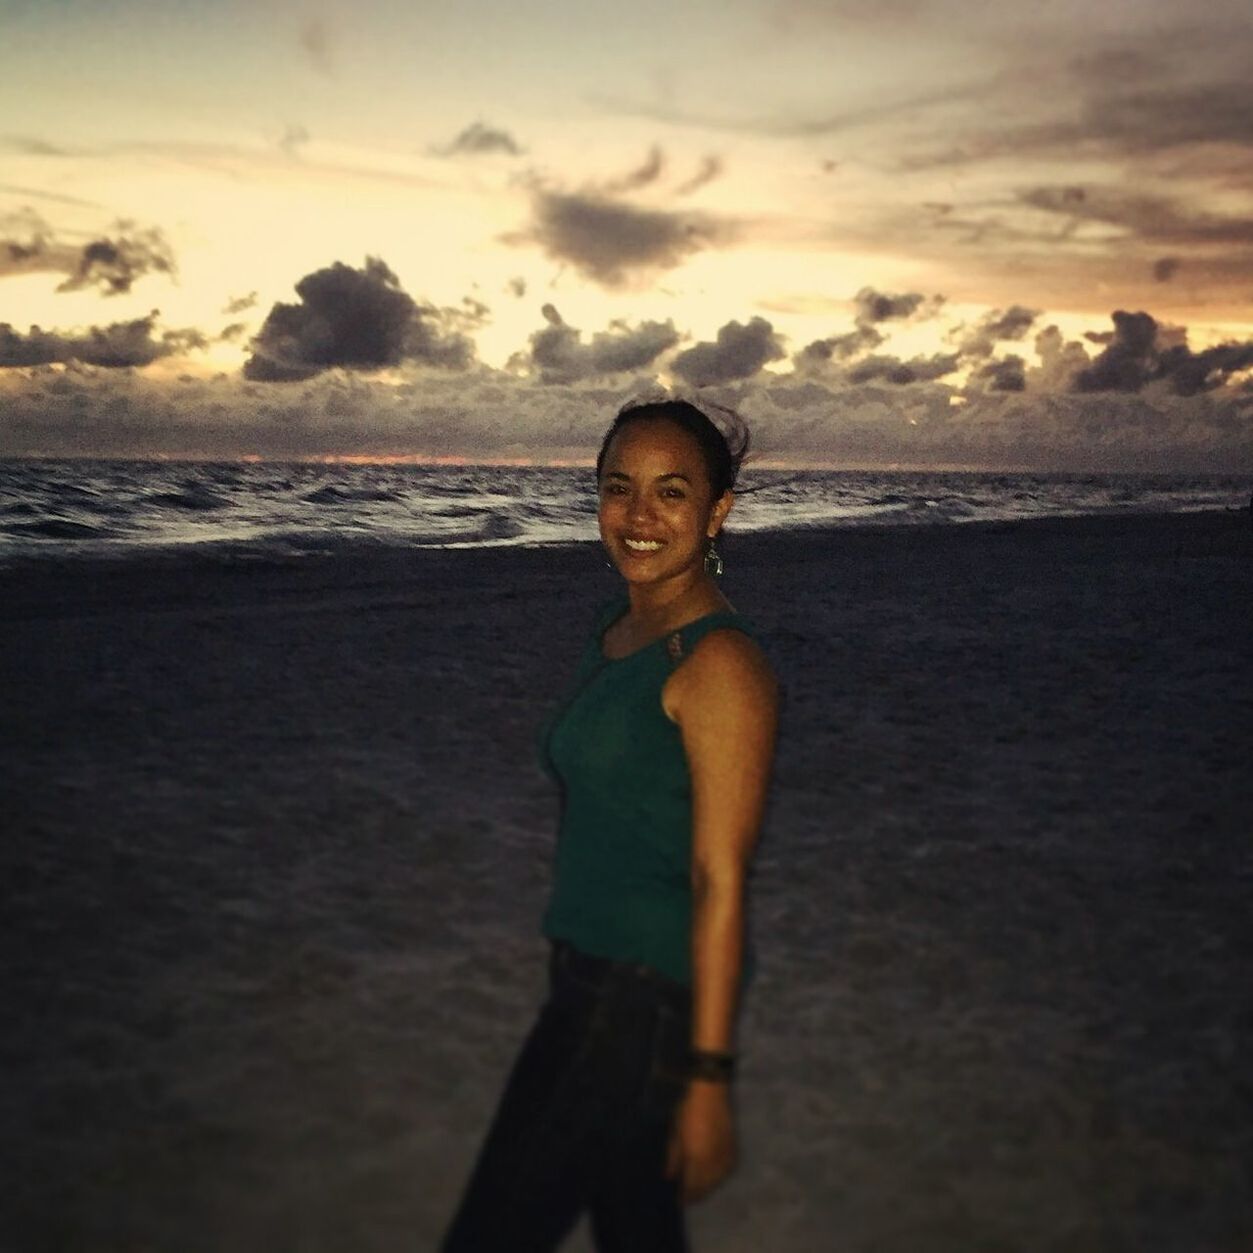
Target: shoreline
28, 581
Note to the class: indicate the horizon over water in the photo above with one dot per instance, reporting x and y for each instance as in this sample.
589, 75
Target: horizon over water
256, 509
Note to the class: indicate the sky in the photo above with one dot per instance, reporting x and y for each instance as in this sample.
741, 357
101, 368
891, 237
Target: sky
890, 232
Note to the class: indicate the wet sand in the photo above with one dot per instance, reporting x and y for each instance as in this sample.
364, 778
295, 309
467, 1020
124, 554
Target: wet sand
276, 844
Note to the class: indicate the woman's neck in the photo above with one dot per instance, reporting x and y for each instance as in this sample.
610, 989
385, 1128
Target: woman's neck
655, 606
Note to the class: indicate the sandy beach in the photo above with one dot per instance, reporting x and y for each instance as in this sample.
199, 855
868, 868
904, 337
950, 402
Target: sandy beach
276, 843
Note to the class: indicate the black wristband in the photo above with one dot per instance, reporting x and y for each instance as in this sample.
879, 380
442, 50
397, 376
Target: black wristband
710, 1066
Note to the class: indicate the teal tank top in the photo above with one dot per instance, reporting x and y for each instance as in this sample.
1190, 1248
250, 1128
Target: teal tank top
622, 870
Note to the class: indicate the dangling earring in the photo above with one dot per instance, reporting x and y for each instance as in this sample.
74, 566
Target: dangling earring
713, 562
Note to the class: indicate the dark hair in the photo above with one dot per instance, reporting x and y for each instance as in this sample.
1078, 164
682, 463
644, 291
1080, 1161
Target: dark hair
723, 450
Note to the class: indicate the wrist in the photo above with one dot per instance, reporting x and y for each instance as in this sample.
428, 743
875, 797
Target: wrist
710, 1067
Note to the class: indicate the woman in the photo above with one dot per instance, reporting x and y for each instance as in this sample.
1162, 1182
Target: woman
619, 1102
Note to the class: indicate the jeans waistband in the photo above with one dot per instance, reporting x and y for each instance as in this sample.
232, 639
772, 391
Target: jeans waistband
568, 964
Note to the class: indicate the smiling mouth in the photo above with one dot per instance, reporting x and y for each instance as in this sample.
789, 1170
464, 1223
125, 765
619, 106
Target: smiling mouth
643, 545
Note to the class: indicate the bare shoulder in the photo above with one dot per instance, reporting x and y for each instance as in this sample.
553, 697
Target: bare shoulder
726, 668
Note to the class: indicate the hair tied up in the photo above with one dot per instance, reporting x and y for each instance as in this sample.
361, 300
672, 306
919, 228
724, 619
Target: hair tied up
722, 434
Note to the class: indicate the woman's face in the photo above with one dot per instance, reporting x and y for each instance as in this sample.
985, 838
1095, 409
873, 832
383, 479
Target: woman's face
655, 508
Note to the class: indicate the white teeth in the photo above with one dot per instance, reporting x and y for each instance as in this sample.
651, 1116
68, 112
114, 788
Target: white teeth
643, 545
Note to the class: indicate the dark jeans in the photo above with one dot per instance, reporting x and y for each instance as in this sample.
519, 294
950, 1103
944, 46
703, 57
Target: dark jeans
585, 1118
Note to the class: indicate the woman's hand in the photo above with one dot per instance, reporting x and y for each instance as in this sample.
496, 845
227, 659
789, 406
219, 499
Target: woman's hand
702, 1140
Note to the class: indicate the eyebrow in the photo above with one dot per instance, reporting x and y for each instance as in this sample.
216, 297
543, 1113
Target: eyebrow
674, 474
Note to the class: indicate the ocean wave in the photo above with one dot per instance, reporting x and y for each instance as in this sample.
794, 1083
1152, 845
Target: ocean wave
58, 528
330, 494
193, 498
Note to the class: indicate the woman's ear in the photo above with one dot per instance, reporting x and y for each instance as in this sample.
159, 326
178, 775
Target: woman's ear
722, 507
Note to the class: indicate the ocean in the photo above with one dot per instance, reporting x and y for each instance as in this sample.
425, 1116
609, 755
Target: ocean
267, 510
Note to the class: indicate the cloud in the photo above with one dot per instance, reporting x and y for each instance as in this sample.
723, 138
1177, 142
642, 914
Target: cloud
115, 346
112, 263
610, 241
1159, 219
710, 169
1007, 374
356, 319
239, 304
872, 308
557, 353
995, 326
56, 410
479, 138
1190, 373
1165, 268
888, 369
1128, 361
649, 171
26, 242
1140, 352
817, 356
876, 306
739, 351
1119, 103
516, 287
1060, 361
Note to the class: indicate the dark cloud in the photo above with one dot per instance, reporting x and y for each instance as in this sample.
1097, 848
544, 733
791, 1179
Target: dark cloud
739, 351
1126, 114
357, 319
1128, 361
887, 369
1190, 373
114, 264
26, 243
557, 353
1151, 118
111, 263
872, 308
1157, 219
115, 346
822, 353
232, 331
649, 171
1007, 374
478, 138
239, 304
994, 327
516, 287
608, 240
710, 169
1165, 268
472, 315
1139, 352
876, 306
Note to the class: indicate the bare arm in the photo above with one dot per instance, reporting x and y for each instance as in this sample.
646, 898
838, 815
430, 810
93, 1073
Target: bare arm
727, 710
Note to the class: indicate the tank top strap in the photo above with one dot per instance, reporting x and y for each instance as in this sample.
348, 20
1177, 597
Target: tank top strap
680, 643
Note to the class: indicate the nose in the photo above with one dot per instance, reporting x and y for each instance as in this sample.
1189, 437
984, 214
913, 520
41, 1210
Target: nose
641, 507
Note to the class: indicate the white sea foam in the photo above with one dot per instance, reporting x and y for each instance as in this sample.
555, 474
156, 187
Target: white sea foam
285, 511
